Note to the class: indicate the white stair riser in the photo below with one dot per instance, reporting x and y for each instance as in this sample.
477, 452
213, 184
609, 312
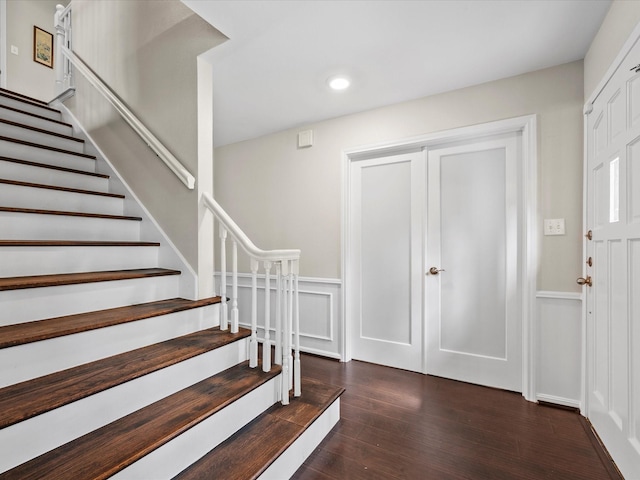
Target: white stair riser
37, 260
44, 124
50, 157
294, 456
48, 176
28, 107
34, 226
25, 440
36, 359
44, 198
20, 133
176, 455
38, 303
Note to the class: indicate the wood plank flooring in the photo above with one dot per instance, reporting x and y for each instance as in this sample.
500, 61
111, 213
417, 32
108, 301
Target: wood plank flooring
402, 425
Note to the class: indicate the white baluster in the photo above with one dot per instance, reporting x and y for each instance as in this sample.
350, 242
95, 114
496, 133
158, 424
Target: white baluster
58, 66
297, 387
234, 287
278, 356
253, 342
224, 318
266, 346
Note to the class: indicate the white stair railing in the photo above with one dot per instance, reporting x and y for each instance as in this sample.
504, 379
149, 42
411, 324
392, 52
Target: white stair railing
287, 318
286, 262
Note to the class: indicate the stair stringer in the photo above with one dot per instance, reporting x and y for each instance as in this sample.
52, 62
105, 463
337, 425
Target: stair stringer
168, 255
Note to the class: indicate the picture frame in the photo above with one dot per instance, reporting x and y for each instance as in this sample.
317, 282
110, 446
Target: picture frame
42, 47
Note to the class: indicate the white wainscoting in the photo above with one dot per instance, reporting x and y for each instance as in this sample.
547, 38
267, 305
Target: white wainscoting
320, 311
559, 348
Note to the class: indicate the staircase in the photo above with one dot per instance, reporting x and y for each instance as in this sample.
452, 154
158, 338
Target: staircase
105, 371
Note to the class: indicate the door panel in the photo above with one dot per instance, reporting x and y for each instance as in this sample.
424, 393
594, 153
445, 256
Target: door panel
612, 306
386, 221
473, 305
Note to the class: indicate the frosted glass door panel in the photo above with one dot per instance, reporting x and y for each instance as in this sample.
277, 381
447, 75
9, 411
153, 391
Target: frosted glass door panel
472, 195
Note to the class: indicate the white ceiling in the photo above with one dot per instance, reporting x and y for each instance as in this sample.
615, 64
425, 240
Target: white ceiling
271, 74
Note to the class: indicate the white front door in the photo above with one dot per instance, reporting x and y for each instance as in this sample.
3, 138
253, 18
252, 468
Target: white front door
613, 259
473, 297
386, 258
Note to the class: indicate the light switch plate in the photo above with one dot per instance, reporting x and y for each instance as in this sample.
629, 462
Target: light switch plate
305, 139
14, 49
554, 226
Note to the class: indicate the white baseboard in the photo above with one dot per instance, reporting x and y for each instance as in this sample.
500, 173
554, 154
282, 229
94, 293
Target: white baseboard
567, 402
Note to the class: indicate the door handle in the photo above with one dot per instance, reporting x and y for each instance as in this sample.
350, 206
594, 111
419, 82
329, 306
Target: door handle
435, 270
584, 281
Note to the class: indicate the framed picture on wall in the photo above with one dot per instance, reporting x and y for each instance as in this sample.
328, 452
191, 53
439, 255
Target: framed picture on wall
42, 47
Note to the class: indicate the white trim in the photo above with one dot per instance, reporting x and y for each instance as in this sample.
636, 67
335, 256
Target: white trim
559, 295
567, 402
301, 279
528, 126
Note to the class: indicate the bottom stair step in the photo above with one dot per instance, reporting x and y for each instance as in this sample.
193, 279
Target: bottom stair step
251, 451
108, 450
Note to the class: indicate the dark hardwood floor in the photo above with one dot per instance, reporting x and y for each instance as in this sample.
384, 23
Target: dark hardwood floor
402, 425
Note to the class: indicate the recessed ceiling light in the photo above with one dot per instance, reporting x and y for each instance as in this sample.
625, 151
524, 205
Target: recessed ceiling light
339, 83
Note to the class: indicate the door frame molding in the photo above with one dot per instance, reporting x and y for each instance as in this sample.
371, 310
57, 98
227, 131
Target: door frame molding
527, 125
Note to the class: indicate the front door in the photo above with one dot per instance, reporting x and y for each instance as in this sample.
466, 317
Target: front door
612, 274
472, 289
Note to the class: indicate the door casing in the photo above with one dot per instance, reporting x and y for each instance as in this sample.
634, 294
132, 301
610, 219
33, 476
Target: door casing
527, 125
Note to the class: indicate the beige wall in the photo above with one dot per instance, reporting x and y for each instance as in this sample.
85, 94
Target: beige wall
146, 51
286, 197
622, 18
23, 74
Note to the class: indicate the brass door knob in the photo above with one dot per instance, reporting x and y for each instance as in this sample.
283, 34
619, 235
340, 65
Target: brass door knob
584, 281
435, 270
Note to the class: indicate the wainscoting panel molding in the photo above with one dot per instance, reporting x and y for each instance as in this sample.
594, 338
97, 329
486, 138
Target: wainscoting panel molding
559, 355
320, 307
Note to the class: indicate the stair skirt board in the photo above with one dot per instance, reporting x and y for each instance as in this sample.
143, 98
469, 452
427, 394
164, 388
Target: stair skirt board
173, 457
48, 302
34, 197
291, 459
24, 440
19, 132
19, 261
20, 116
35, 226
32, 360
42, 154
28, 171
29, 107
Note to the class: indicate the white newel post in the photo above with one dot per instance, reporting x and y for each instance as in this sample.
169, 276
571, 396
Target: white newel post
253, 342
234, 288
297, 389
266, 346
224, 319
59, 62
278, 341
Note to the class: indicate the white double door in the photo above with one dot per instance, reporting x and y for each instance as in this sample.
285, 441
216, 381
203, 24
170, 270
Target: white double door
435, 240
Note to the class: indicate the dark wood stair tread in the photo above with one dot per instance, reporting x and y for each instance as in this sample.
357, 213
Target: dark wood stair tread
36, 281
250, 451
74, 243
60, 189
52, 167
34, 397
40, 130
107, 450
20, 96
68, 214
21, 333
47, 147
